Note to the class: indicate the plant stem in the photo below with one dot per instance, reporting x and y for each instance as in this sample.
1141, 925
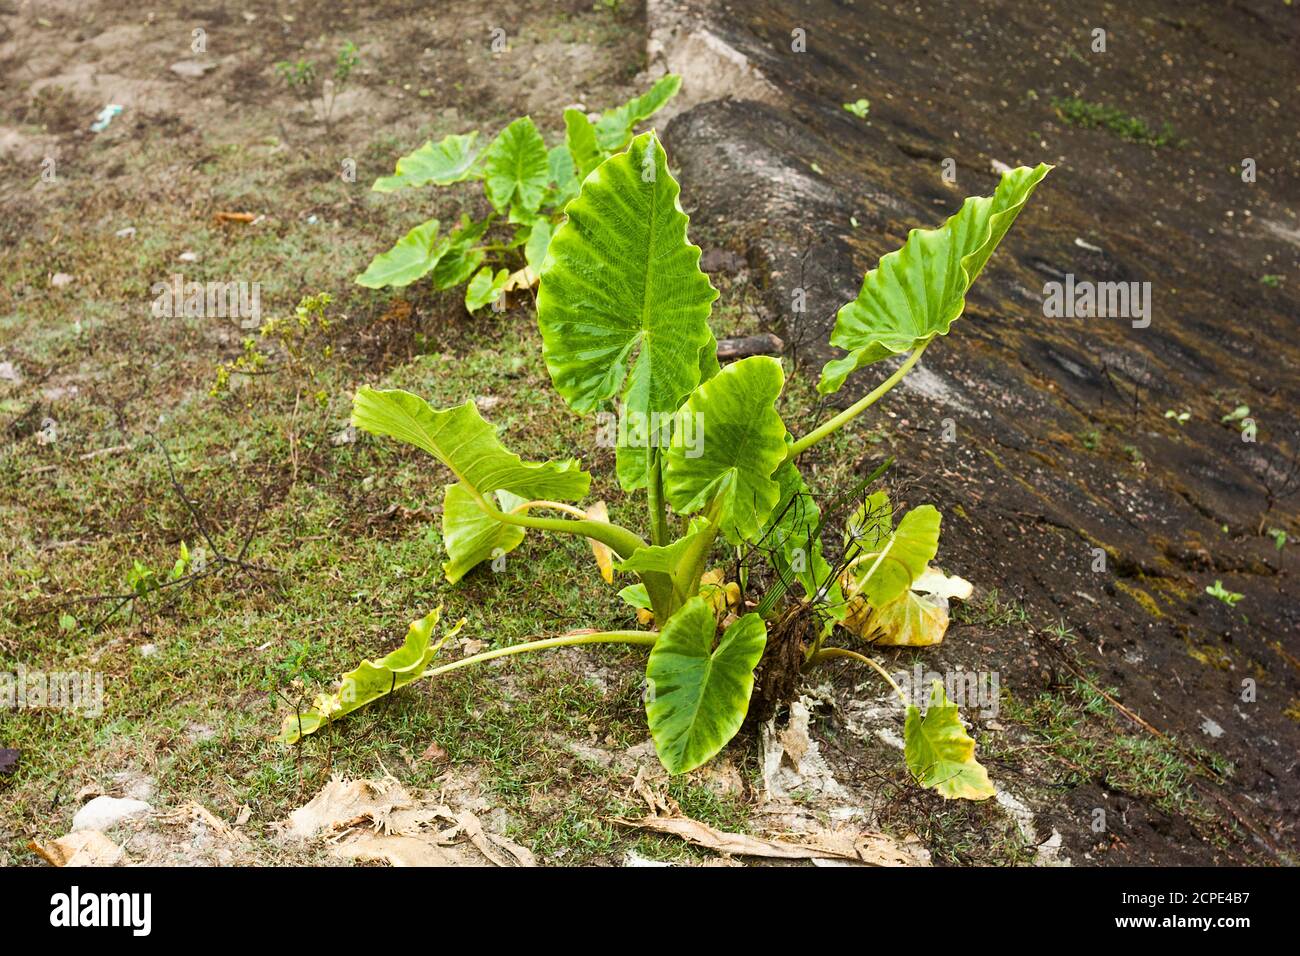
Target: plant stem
621, 540
856, 409
655, 498
554, 505
828, 652
566, 640
697, 554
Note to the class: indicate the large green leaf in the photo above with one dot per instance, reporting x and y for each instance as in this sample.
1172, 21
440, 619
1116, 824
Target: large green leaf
460, 439
463, 256
880, 576
415, 254
470, 535
485, 288
539, 240
917, 292
516, 168
448, 161
743, 445
372, 680
664, 569
580, 137
698, 695
940, 753
614, 128
623, 306
564, 177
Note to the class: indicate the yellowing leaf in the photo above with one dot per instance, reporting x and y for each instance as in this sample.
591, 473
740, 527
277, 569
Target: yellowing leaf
940, 754
460, 439
916, 618
472, 536
524, 278
604, 556
372, 680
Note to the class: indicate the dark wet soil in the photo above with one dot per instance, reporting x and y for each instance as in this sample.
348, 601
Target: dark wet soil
1062, 443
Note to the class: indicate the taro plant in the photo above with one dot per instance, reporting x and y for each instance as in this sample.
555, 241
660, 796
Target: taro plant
623, 310
527, 186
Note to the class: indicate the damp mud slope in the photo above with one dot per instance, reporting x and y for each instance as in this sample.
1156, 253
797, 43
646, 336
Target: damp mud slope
1098, 518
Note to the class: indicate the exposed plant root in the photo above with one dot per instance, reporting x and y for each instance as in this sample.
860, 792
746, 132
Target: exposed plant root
776, 680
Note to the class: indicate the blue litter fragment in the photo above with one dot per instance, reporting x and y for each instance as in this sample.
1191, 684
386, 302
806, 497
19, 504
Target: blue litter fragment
105, 117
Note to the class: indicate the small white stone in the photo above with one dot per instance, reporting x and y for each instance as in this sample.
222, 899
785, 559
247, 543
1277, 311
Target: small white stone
104, 812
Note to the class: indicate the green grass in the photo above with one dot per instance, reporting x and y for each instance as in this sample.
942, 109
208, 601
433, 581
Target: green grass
1081, 729
1081, 113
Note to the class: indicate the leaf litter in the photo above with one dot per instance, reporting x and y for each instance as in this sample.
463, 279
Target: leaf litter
380, 820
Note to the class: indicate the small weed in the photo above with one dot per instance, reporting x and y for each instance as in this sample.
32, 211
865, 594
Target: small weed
1230, 598
989, 611
859, 108
1087, 115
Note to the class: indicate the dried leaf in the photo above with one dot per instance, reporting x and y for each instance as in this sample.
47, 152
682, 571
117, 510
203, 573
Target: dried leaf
79, 848
434, 753
875, 849
525, 278
400, 851
379, 820
496, 848
341, 804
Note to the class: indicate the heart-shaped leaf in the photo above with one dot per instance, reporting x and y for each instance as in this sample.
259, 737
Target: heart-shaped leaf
413, 257
460, 439
564, 177
614, 128
470, 535
462, 256
882, 575
622, 305
580, 137
664, 570
698, 694
728, 440
516, 167
939, 752
539, 239
448, 161
485, 288
372, 680
917, 292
